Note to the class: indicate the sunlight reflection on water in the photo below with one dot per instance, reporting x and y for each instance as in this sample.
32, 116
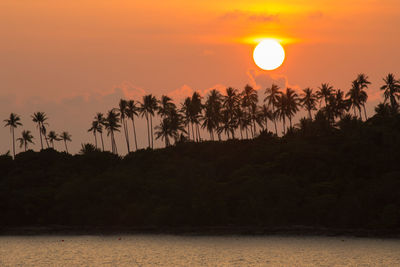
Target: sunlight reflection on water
165, 250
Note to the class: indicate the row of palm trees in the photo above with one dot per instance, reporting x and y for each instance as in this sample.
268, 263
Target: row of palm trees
234, 113
26, 138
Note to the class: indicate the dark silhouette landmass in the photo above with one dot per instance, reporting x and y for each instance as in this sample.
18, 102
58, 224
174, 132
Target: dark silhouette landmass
319, 175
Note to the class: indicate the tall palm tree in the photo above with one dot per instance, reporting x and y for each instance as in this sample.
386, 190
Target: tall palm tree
391, 90
265, 114
196, 109
13, 122
186, 107
147, 109
99, 118
324, 92
131, 112
112, 125
66, 137
53, 137
280, 111
212, 108
249, 98
170, 126
292, 103
357, 96
25, 139
40, 118
363, 82
271, 99
95, 128
165, 106
309, 101
122, 109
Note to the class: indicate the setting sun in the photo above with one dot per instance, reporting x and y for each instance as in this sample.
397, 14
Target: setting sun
269, 54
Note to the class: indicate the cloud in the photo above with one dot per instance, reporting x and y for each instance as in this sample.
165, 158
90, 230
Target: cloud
249, 16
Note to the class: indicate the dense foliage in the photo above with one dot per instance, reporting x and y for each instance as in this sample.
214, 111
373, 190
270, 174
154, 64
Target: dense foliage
345, 175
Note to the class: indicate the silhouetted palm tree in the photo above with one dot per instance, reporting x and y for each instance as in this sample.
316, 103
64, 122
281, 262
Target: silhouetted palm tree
265, 114
112, 125
53, 137
131, 112
99, 118
165, 106
357, 96
280, 111
95, 128
170, 126
122, 109
147, 109
324, 92
40, 118
271, 99
391, 90
13, 122
186, 112
363, 82
87, 148
25, 139
292, 104
309, 101
250, 98
196, 109
66, 137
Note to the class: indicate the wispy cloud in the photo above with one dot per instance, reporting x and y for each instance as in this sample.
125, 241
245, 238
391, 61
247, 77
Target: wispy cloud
249, 16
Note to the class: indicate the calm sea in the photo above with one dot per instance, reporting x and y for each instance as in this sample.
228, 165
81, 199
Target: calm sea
164, 250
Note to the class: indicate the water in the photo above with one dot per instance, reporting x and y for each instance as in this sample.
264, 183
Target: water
164, 250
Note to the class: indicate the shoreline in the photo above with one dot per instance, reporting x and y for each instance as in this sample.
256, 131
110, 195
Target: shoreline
201, 231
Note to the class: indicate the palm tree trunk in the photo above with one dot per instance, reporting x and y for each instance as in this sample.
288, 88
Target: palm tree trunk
124, 123
359, 110
66, 148
40, 134
241, 131
309, 114
247, 133
290, 121
95, 138
151, 124
13, 137
148, 128
284, 125
365, 112
198, 130
134, 131
233, 133
188, 132
25, 145
193, 132
102, 142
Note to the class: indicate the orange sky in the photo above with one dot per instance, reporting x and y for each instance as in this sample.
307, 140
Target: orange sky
74, 58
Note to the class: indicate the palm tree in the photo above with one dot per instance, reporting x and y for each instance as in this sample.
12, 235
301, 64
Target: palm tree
357, 97
131, 112
391, 90
65, 136
363, 82
147, 109
309, 101
25, 139
122, 109
292, 103
324, 91
249, 98
13, 122
186, 107
53, 137
165, 106
196, 109
40, 118
99, 118
169, 127
265, 114
212, 108
112, 125
271, 99
280, 111
95, 128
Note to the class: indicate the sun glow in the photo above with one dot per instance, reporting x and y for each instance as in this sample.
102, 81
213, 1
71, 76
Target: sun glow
269, 54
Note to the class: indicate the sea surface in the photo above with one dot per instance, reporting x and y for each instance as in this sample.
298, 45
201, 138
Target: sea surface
166, 250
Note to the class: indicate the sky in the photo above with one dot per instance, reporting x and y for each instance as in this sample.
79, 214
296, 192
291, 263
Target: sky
72, 58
